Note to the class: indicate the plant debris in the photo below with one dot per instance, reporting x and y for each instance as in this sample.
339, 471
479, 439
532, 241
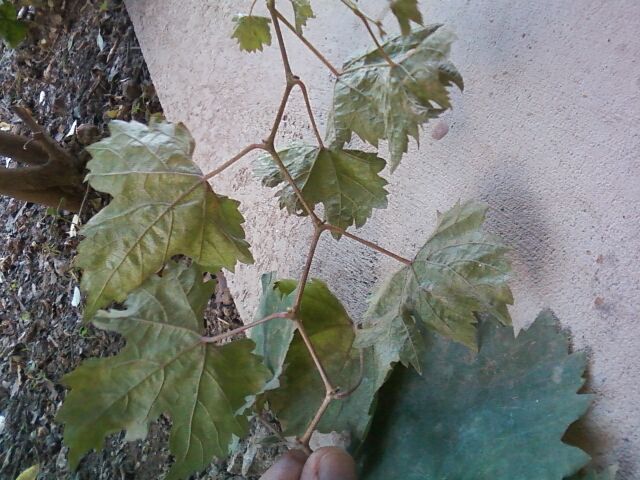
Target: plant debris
80, 67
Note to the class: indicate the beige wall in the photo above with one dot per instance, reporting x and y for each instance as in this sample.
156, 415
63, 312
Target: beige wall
547, 132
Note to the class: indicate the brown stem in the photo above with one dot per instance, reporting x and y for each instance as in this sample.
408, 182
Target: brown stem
278, 120
55, 152
22, 149
271, 4
308, 44
377, 22
312, 117
382, 51
231, 161
307, 268
367, 243
241, 329
253, 4
329, 388
304, 440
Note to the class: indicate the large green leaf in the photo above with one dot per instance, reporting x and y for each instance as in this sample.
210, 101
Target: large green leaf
380, 102
346, 182
497, 415
301, 389
164, 368
12, 30
459, 273
302, 11
252, 32
161, 207
406, 11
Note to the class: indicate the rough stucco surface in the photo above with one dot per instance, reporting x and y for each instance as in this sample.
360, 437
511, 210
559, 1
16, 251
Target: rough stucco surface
547, 132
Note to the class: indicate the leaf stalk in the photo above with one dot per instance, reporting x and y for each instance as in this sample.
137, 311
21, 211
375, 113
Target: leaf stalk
236, 331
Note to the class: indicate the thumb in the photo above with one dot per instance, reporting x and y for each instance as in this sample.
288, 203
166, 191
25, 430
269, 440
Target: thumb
329, 463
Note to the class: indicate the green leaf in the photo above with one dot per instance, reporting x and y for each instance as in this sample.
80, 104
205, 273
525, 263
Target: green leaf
406, 11
301, 389
380, 102
12, 30
164, 368
459, 272
302, 12
273, 338
346, 182
161, 207
497, 415
252, 32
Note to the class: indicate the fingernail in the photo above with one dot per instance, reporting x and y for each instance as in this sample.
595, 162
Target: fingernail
335, 464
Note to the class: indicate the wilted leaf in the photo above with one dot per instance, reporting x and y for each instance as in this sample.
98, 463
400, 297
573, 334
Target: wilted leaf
164, 368
302, 12
252, 32
346, 182
12, 30
497, 415
161, 207
380, 102
301, 389
458, 273
406, 11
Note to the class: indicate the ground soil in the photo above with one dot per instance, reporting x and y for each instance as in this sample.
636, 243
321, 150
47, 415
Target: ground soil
80, 67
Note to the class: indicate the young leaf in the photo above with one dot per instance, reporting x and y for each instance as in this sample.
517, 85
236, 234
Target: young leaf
302, 12
458, 273
161, 207
164, 368
497, 415
406, 11
296, 389
252, 32
382, 102
346, 182
12, 30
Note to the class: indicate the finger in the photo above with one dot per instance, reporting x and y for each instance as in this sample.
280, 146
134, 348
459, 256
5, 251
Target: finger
329, 463
288, 467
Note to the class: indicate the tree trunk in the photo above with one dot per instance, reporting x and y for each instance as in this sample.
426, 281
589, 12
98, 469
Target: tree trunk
52, 177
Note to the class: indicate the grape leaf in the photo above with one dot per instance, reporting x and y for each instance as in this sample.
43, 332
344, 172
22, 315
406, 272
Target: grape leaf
380, 102
164, 368
161, 207
406, 11
346, 182
12, 30
302, 11
301, 389
273, 338
458, 273
252, 32
497, 415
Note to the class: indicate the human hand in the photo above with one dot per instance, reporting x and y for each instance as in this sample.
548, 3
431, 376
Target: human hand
327, 463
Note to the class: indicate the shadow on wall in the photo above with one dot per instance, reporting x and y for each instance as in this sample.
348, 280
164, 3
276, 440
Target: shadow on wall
517, 218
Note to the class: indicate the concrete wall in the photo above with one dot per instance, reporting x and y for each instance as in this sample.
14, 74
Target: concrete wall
547, 132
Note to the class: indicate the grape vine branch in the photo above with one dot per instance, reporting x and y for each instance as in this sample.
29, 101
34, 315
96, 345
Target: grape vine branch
332, 392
